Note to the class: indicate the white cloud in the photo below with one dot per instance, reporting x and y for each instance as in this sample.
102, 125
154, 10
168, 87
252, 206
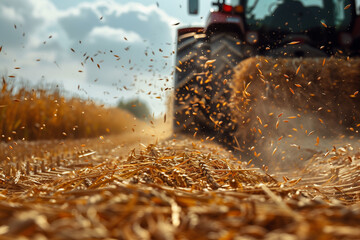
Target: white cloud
108, 7
46, 10
149, 22
37, 20
113, 34
10, 13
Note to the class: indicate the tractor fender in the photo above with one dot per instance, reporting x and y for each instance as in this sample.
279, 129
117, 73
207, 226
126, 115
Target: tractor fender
219, 21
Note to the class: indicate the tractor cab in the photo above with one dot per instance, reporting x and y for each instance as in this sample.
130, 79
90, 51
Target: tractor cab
298, 16
264, 24
321, 24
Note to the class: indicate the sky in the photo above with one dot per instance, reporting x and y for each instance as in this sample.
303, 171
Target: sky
105, 50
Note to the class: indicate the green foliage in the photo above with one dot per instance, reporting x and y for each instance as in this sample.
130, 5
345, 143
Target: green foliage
135, 106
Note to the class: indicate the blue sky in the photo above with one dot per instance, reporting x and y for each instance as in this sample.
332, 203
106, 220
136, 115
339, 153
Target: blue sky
140, 33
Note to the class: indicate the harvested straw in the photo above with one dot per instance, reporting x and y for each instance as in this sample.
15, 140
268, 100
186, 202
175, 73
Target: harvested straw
165, 192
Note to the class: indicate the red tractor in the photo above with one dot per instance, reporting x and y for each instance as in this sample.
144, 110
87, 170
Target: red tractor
240, 29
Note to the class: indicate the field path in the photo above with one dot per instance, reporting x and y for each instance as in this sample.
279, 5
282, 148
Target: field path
144, 184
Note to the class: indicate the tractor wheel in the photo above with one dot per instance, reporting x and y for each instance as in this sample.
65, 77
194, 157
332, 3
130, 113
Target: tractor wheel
202, 85
226, 51
191, 56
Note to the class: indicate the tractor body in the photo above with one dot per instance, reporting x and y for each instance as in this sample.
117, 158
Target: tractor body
239, 29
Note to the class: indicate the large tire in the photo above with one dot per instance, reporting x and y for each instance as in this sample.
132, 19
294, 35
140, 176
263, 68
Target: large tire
225, 49
203, 92
190, 58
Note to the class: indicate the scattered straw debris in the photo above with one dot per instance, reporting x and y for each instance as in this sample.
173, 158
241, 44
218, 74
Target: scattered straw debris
294, 97
181, 189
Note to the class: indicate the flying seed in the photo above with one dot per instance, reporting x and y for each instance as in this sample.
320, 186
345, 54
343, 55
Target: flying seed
294, 42
295, 145
177, 68
209, 63
274, 151
291, 90
317, 141
259, 119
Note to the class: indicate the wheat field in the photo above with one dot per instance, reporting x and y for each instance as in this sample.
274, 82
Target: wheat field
34, 114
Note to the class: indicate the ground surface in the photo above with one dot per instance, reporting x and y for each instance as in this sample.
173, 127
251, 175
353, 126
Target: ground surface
146, 185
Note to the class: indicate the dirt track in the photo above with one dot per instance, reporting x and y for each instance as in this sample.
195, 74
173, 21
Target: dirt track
177, 189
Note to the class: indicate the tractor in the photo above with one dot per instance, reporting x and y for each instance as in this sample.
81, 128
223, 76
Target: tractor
239, 29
